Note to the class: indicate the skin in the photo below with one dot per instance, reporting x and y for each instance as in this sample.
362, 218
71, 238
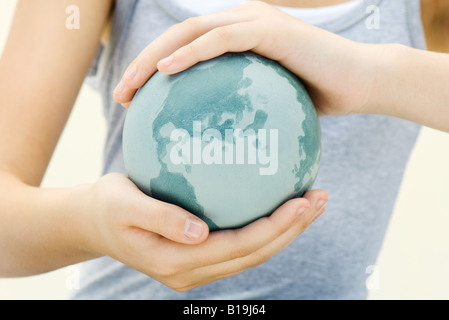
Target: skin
369, 84
111, 217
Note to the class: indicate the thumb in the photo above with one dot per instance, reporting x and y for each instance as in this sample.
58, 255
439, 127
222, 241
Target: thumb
171, 222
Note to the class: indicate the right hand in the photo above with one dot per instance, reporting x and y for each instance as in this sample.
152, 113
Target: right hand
337, 72
151, 236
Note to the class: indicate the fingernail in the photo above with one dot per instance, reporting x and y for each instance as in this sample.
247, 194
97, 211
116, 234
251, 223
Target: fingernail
321, 207
300, 211
166, 61
318, 214
131, 72
193, 228
120, 87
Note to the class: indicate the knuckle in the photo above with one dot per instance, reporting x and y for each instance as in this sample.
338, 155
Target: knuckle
303, 226
192, 22
192, 25
239, 250
188, 50
178, 283
223, 34
257, 258
180, 287
166, 270
238, 253
160, 218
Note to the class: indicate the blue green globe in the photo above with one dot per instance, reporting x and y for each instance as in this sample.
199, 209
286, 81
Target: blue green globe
229, 139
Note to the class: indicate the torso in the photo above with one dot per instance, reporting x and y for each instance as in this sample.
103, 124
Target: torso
363, 159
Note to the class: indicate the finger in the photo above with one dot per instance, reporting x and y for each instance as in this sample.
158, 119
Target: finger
144, 66
236, 37
231, 244
318, 200
225, 269
170, 221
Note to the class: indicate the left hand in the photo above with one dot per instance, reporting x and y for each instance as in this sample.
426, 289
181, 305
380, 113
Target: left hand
335, 70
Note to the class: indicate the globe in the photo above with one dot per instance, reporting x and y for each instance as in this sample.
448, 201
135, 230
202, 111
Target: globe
229, 139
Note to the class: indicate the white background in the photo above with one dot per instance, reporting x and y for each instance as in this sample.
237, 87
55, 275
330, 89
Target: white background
414, 261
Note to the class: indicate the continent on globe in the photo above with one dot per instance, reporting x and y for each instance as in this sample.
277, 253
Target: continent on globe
229, 139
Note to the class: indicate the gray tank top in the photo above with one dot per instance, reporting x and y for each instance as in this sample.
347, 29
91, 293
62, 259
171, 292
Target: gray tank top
363, 160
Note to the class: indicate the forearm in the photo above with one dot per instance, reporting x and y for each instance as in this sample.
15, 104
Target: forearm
411, 84
42, 68
341, 76
40, 229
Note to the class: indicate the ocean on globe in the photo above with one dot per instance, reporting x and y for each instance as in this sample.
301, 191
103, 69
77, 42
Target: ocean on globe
229, 139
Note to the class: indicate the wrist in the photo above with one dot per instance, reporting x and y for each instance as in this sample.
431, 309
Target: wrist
80, 221
66, 222
382, 61
41, 229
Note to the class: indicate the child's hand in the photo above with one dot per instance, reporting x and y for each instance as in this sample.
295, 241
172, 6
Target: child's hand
332, 67
155, 238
